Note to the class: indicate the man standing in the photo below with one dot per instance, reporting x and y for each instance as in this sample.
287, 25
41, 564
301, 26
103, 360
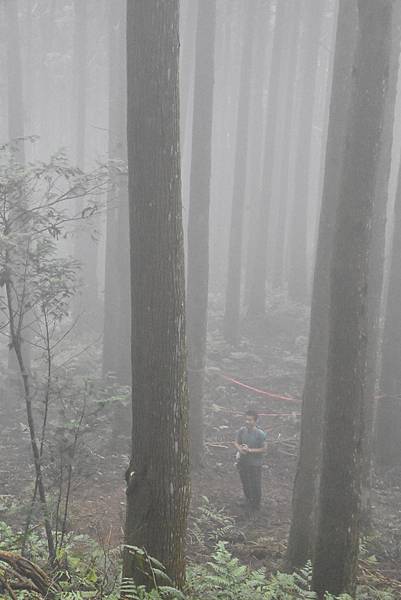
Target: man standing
251, 445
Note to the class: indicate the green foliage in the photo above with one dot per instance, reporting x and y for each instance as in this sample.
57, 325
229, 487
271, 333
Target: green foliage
210, 524
91, 571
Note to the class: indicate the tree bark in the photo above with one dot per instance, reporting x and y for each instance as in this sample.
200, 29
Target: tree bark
337, 544
388, 420
157, 477
376, 265
198, 221
302, 528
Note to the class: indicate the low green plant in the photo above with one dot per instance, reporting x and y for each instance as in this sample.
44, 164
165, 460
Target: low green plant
88, 571
209, 524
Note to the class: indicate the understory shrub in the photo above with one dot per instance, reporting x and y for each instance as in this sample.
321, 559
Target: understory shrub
88, 571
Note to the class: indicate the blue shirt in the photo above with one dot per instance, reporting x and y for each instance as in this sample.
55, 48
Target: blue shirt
253, 438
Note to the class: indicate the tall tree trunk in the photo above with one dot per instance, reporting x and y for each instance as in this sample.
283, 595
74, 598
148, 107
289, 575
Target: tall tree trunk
260, 81
337, 543
157, 477
116, 337
231, 325
298, 279
85, 248
376, 265
227, 56
257, 292
16, 132
288, 142
198, 220
14, 81
300, 543
388, 421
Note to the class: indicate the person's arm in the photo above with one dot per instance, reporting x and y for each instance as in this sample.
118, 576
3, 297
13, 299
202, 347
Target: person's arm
238, 444
260, 450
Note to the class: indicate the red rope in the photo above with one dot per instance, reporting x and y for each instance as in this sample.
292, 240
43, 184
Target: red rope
259, 391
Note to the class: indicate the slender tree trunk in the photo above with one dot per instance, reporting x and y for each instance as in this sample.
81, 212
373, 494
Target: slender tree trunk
288, 139
260, 79
157, 478
231, 325
227, 56
116, 338
257, 293
16, 341
298, 279
198, 221
16, 131
14, 81
85, 248
337, 544
300, 543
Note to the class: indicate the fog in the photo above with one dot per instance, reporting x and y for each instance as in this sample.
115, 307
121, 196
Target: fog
200, 298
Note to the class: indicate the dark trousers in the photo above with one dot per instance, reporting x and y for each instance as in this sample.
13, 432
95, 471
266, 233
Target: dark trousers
251, 479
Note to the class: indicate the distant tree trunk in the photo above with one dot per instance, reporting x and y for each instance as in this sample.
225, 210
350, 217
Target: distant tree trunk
47, 31
301, 537
85, 248
157, 478
198, 220
116, 338
298, 277
188, 25
14, 80
337, 542
16, 134
260, 80
288, 142
231, 323
227, 56
187, 34
376, 264
257, 292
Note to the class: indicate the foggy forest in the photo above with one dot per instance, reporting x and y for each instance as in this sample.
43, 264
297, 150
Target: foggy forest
200, 299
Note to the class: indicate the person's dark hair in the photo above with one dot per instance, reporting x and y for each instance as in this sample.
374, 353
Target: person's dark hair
252, 413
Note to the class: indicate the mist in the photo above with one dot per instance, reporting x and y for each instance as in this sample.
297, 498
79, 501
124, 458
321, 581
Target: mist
200, 299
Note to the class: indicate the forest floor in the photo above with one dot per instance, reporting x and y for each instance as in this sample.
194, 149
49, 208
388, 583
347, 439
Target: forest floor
271, 358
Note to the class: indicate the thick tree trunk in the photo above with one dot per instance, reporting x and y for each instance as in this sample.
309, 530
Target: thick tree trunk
231, 325
298, 277
388, 421
198, 221
337, 545
157, 478
376, 265
302, 529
